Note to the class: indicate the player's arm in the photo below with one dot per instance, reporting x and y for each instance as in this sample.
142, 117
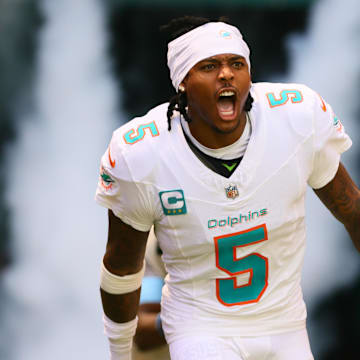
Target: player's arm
149, 334
120, 284
342, 197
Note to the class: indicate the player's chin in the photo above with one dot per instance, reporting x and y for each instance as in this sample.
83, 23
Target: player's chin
227, 126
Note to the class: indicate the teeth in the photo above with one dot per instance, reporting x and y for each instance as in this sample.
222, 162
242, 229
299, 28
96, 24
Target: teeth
227, 93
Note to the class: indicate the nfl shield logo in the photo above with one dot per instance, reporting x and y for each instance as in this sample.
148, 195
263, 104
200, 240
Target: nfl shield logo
232, 191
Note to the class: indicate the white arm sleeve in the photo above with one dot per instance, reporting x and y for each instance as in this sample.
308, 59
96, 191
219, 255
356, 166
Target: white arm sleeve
330, 140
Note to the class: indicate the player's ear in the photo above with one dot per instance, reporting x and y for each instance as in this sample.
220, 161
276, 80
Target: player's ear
183, 84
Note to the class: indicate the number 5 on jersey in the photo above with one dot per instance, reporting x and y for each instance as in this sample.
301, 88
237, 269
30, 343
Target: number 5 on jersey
132, 137
228, 292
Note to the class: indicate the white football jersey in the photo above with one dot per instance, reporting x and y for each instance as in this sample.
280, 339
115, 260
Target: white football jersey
153, 281
233, 247
154, 264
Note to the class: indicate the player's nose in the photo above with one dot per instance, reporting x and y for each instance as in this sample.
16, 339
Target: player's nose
225, 73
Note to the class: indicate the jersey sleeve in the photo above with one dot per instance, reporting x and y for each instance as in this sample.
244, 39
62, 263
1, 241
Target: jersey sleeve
330, 141
116, 190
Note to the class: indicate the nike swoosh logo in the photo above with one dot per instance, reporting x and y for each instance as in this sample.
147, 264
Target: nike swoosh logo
229, 167
340, 127
112, 162
323, 106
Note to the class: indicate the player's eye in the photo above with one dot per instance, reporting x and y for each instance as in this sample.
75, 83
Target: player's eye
207, 67
238, 64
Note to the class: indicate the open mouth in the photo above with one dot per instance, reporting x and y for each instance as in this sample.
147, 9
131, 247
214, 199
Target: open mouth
226, 104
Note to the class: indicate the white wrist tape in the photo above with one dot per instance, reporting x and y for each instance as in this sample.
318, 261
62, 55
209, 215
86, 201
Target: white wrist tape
120, 337
114, 284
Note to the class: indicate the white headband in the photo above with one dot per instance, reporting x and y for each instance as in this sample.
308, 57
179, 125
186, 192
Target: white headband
200, 43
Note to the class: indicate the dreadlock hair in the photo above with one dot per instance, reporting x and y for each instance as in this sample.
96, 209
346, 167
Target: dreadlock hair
175, 28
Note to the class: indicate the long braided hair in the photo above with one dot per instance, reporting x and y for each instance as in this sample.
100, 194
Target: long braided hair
176, 28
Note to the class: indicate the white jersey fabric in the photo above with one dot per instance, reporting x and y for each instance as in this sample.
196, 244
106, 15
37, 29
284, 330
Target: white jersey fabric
233, 247
154, 264
153, 280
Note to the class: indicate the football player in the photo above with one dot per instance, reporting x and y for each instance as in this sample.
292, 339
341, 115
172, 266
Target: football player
221, 173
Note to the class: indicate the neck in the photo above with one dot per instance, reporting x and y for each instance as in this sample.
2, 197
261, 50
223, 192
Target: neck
213, 137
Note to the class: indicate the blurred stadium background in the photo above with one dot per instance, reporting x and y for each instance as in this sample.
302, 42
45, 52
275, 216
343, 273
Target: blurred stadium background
73, 71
